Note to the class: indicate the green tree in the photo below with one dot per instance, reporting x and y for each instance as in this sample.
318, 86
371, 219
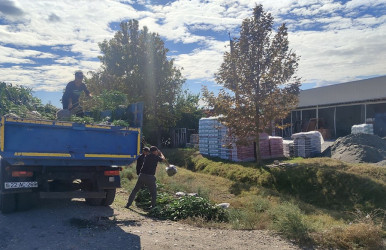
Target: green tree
135, 63
187, 111
258, 79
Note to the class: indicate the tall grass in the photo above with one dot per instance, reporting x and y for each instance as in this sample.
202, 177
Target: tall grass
320, 201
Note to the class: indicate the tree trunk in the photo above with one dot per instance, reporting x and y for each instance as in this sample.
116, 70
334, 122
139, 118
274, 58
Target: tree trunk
257, 137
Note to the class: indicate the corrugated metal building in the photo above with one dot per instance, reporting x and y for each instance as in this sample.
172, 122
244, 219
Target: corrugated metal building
334, 109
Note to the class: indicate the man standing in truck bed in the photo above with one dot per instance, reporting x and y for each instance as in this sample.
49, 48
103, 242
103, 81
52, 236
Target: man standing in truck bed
72, 93
147, 176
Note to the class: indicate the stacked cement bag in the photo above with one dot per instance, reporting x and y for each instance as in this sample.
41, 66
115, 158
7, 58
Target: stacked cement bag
216, 141
276, 146
288, 148
362, 129
307, 144
242, 152
264, 146
225, 142
209, 136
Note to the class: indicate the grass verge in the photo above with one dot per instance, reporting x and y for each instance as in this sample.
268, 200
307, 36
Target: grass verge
320, 201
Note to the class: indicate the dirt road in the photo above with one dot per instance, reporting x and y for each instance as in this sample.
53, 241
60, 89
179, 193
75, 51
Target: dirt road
61, 224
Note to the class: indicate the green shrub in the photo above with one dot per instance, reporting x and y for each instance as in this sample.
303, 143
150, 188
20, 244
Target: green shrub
189, 206
244, 219
260, 204
181, 157
120, 123
289, 220
173, 208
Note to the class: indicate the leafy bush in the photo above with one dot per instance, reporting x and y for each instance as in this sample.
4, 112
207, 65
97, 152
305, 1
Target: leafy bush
289, 220
20, 101
170, 207
121, 123
249, 220
189, 206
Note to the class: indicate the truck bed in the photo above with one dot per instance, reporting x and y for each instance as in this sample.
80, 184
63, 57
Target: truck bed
57, 143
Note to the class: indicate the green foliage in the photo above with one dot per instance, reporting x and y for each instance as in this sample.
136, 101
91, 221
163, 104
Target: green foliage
242, 219
20, 101
84, 120
294, 202
181, 157
258, 79
330, 187
288, 219
187, 112
189, 206
322, 185
106, 100
135, 63
121, 123
173, 208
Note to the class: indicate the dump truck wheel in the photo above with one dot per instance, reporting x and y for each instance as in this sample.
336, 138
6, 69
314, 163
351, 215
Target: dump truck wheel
110, 196
89, 186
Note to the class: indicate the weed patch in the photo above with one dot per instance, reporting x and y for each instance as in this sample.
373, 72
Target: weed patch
289, 220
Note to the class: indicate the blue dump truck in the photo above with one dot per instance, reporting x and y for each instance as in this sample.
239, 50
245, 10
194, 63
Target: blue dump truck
43, 159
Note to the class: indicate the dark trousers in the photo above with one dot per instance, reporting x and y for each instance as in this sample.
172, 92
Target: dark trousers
148, 181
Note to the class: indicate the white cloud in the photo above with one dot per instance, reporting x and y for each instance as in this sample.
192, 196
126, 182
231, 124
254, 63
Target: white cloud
334, 56
347, 44
202, 63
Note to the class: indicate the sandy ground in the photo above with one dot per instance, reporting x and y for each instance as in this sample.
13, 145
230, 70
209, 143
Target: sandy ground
64, 224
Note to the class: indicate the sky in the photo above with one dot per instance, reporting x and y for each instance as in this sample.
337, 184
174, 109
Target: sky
43, 42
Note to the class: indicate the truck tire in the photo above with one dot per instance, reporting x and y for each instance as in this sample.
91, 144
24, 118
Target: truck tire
90, 186
7, 203
110, 196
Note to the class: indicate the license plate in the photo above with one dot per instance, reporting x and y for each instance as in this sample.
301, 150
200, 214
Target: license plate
30, 184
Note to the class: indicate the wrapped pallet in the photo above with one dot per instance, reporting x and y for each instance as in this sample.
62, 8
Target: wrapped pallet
307, 144
362, 129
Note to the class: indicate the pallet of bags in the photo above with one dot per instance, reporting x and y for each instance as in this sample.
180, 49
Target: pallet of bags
288, 148
307, 144
264, 146
276, 146
362, 129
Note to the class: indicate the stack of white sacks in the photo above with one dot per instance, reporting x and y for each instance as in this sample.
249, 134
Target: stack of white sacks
288, 148
362, 129
210, 138
307, 144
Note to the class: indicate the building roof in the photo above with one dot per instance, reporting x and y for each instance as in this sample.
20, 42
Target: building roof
348, 92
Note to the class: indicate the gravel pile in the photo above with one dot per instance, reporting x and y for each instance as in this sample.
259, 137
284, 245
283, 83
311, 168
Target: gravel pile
358, 148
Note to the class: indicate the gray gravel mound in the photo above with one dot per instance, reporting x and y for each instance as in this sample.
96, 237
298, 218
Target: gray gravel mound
358, 148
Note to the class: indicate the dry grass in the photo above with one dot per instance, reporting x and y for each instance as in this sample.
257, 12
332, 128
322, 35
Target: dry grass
254, 206
353, 236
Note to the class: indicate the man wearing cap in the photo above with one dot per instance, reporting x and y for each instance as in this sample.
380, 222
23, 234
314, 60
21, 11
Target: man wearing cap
141, 158
147, 176
72, 93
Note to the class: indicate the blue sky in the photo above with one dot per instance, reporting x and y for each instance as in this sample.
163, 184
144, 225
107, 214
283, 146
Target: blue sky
42, 42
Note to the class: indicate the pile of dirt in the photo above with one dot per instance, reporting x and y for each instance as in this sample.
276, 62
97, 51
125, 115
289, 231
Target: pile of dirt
358, 148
